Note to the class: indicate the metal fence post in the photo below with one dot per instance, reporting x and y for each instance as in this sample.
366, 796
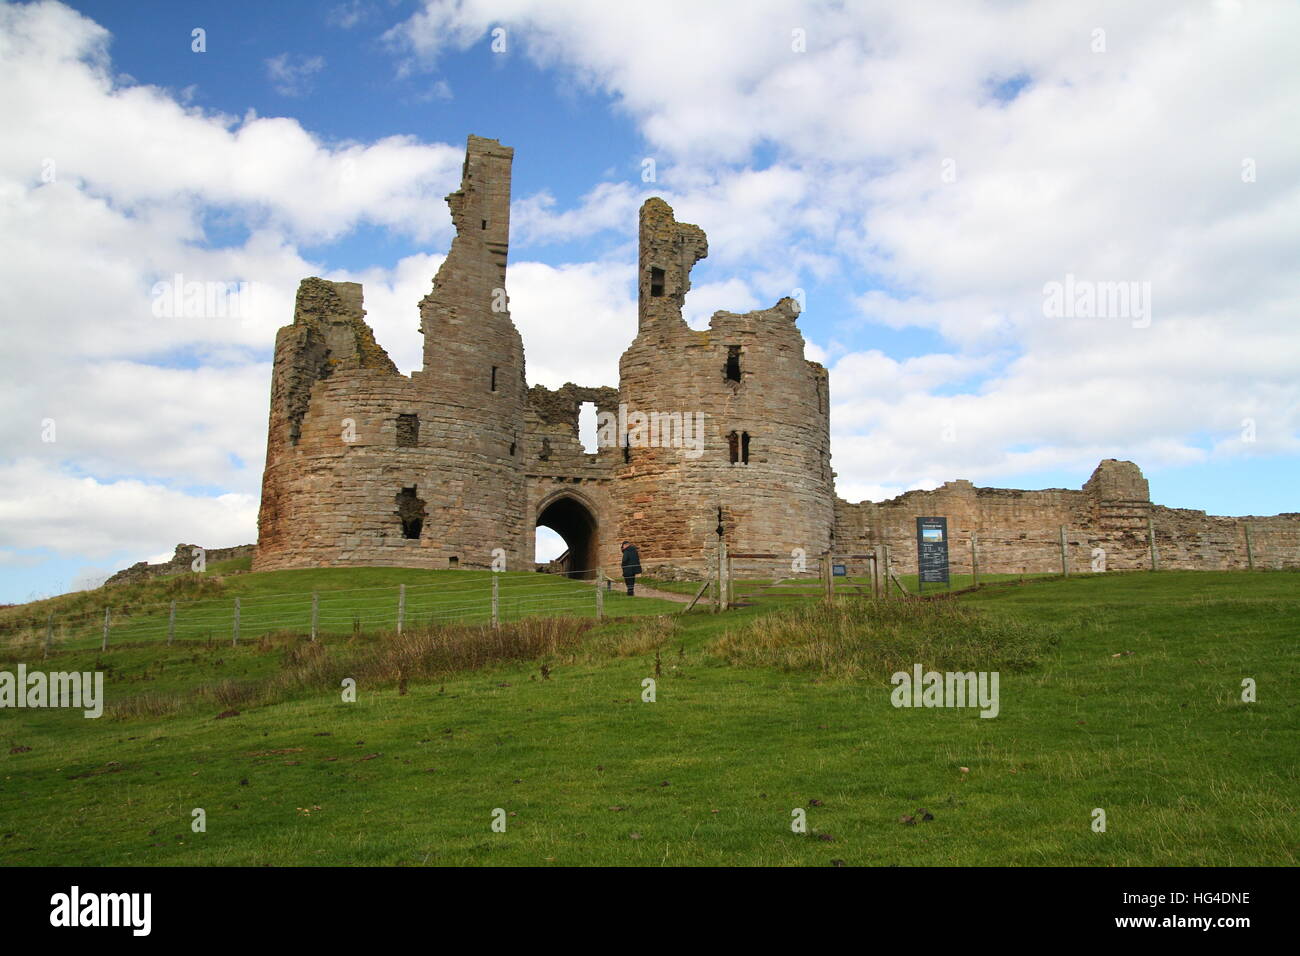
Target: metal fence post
974, 559
1250, 549
171, 623
315, 612
1065, 555
104, 646
1151, 536
600, 595
49, 633
234, 640
401, 607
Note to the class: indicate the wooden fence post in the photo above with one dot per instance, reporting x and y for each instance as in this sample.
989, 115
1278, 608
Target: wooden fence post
401, 607
722, 574
1151, 537
974, 559
171, 623
1065, 555
1250, 550
234, 640
104, 646
496, 602
886, 571
600, 595
315, 612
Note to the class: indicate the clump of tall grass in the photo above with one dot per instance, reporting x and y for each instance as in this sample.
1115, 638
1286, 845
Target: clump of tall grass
636, 637
145, 705
851, 639
430, 652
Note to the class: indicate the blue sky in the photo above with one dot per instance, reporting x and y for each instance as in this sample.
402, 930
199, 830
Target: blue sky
920, 176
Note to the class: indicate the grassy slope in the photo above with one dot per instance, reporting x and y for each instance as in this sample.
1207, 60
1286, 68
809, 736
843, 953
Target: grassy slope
279, 600
1186, 772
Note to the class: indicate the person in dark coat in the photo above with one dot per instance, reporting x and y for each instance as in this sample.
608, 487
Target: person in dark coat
631, 566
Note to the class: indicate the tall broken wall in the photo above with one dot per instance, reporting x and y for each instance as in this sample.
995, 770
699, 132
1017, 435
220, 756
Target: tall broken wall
745, 376
366, 466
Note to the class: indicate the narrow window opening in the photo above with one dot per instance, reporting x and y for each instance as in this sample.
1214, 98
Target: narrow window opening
484, 223
627, 450
721, 528
733, 447
494, 378
744, 448
545, 453
733, 363
453, 561
588, 432
656, 281
410, 512
512, 449
408, 431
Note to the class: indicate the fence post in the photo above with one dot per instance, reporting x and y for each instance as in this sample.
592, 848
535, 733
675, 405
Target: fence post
104, 646
1151, 537
600, 595
171, 623
496, 602
731, 582
885, 571
722, 574
49, 633
1065, 555
1250, 550
713, 587
315, 612
974, 559
401, 607
234, 640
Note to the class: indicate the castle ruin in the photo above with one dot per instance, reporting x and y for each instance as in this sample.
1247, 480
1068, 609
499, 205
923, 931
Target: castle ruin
721, 433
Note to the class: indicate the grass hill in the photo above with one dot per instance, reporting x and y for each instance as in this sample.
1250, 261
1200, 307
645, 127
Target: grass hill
1118, 691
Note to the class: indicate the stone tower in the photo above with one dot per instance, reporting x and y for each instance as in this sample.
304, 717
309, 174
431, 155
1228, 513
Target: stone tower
365, 466
473, 379
762, 477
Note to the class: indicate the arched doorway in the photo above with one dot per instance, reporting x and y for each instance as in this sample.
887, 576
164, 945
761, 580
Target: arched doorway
573, 521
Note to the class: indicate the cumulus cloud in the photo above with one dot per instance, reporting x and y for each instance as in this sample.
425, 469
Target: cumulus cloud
291, 74
951, 166
130, 420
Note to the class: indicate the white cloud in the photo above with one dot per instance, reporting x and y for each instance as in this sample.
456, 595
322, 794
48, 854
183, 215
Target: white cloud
291, 73
83, 516
881, 156
139, 151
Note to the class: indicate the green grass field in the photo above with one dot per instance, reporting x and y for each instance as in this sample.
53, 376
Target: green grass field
1120, 692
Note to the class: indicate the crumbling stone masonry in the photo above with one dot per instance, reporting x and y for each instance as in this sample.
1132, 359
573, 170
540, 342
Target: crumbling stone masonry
722, 432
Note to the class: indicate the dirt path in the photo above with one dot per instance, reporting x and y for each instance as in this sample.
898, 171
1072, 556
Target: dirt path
643, 591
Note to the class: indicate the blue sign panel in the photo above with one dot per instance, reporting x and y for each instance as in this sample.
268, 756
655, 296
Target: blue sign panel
932, 550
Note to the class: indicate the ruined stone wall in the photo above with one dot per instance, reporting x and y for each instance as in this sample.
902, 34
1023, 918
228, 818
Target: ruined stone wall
181, 561
366, 466
745, 374
359, 455
1019, 531
564, 480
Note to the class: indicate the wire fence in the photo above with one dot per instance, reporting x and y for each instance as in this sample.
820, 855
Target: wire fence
483, 600
877, 569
